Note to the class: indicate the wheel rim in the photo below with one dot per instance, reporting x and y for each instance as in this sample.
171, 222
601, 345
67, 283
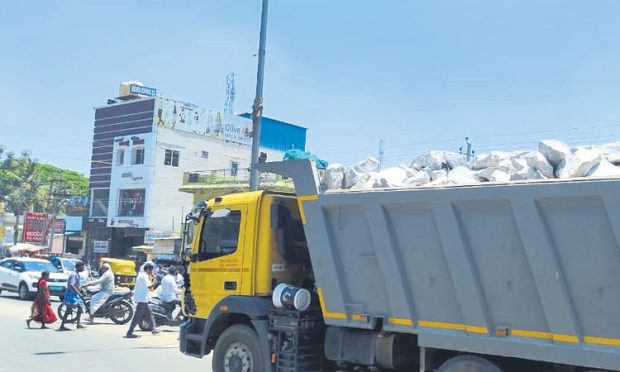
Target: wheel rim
119, 312
23, 291
238, 358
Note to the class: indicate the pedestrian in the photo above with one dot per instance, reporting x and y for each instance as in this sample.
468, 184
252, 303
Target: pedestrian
41, 310
141, 297
73, 298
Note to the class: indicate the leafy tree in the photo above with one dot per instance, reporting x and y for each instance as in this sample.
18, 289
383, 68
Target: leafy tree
28, 186
20, 181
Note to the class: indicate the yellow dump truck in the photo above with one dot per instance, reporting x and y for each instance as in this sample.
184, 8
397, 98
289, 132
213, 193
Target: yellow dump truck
487, 278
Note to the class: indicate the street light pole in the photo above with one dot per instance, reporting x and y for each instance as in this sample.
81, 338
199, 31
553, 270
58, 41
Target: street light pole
257, 107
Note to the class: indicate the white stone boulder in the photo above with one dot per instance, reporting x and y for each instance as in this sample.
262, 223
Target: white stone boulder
437, 174
461, 176
359, 173
578, 164
484, 175
499, 176
420, 178
554, 151
430, 159
604, 169
455, 160
491, 159
394, 176
536, 160
333, 179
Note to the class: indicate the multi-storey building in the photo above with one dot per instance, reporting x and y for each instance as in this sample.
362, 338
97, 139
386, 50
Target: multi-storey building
142, 146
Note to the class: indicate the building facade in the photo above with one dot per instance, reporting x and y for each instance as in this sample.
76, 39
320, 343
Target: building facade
143, 147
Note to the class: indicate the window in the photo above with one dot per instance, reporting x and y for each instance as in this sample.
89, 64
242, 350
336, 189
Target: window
6, 264
120, 157
234, 169
137, 156
205, 155
99, 202
171, 158
220, 236
131, 203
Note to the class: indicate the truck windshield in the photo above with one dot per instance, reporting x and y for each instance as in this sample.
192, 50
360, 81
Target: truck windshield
219, 236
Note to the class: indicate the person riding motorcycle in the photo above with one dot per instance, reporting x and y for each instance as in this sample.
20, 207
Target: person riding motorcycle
170, 292
106, 279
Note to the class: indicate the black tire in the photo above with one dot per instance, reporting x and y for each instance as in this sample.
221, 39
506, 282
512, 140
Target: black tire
468, 363
238, 349
62, 308
121, 312
145, 325
23, 292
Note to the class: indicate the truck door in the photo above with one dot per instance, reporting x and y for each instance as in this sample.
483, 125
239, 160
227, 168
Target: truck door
217, 273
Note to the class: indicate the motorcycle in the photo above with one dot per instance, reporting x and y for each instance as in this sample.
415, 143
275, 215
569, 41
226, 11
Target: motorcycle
117, 307
158, 309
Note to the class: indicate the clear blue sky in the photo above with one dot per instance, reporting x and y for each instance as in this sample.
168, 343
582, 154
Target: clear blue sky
418, 74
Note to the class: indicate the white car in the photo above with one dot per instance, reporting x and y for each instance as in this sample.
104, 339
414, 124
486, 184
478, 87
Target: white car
21, 275
67, 266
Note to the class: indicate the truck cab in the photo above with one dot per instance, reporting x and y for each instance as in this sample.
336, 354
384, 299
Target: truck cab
242, 246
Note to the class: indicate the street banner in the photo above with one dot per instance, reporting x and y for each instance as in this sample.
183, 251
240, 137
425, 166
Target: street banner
36, 227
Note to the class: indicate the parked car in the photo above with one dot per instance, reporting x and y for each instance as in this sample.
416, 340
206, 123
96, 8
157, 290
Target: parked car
22, 274
67, 266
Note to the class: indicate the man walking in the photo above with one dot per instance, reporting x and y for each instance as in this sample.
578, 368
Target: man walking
141, 297
73, 298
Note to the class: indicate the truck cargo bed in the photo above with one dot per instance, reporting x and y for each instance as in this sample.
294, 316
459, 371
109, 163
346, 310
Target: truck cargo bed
529, 270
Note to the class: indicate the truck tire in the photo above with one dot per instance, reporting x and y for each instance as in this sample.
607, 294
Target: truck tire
238, 350
468, 363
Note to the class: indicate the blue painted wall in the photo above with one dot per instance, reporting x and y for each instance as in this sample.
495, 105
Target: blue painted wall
278, 135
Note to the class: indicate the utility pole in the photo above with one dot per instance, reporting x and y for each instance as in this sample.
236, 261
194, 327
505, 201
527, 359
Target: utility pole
257, 107
470, 153
381, 152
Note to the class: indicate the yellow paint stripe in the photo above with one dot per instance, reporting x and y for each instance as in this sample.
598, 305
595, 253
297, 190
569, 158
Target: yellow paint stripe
327, 314
476, 329
452, 326
531, 334
359, 318
602, 341
545, 336
401, 321
565, 338
300, 202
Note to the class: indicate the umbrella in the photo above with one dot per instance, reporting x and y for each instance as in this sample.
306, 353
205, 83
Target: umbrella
27, 247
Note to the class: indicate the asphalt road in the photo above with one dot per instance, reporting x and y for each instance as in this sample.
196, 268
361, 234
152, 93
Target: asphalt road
99, 348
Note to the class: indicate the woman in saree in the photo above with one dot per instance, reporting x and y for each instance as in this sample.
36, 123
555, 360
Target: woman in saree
41, 310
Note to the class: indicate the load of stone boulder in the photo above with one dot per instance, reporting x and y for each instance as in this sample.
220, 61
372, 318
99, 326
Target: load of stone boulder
553, 159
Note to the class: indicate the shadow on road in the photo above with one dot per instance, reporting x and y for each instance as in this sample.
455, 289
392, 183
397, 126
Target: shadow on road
44, 353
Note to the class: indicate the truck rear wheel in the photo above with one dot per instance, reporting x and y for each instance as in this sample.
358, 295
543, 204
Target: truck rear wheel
468, 363
238, 350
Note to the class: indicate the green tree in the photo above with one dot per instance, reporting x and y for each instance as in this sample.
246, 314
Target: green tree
20, 180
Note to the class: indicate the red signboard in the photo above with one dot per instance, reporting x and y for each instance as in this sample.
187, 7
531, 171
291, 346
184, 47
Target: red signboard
36, 227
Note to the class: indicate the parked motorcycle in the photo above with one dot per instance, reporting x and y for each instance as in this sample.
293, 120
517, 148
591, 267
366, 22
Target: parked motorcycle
117, 307
161, 317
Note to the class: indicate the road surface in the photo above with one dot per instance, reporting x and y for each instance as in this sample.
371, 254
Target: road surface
100, 348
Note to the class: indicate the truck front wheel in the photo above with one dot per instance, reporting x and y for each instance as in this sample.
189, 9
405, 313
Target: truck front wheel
238, 350
468, 363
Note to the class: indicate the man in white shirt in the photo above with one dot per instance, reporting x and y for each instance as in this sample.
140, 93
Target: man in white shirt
141, 297
107, 289
170, 292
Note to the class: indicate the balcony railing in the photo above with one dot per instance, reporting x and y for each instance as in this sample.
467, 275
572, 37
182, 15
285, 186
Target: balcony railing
238, 177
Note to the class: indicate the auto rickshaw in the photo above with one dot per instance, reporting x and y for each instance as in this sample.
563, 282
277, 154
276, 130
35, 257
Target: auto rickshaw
124, 271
